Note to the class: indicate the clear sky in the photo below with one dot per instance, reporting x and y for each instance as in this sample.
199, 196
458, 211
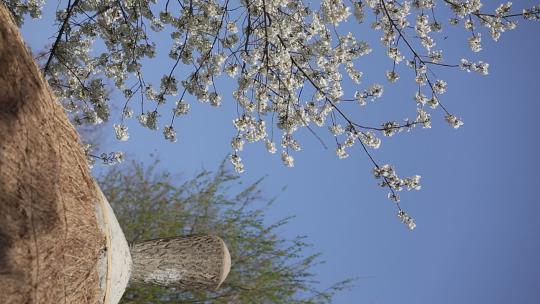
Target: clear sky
478, 213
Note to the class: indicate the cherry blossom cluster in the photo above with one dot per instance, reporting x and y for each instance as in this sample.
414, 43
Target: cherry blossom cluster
111, 158
389, 178
20, 8
406, 219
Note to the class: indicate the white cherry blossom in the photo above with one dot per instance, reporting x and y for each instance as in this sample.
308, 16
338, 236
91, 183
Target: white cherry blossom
290, 61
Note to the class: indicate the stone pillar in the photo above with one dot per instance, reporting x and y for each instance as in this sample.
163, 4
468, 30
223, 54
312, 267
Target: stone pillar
189, 263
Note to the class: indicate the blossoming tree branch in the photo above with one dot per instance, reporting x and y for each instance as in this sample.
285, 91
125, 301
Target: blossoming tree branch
288, 57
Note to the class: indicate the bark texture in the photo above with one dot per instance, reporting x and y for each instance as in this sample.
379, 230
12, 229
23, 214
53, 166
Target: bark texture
189, 263
50, 241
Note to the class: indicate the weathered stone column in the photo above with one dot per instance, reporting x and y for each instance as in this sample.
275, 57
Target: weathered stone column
190, 263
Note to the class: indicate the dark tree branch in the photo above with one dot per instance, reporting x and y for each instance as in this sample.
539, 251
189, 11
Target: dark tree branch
52, 53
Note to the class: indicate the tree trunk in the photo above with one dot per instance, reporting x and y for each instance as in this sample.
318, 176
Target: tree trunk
189, 263
50, 241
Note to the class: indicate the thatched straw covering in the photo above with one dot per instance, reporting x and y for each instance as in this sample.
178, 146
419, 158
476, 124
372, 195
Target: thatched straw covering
50, 241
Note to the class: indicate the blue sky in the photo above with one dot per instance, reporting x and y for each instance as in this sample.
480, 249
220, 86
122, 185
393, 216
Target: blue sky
478, 212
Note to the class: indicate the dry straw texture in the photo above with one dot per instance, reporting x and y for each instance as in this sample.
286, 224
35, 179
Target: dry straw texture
50, 241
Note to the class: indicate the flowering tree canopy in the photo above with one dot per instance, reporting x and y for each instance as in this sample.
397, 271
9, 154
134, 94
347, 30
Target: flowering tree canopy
290, 60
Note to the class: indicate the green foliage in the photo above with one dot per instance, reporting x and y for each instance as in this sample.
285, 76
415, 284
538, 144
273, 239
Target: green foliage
266, 268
